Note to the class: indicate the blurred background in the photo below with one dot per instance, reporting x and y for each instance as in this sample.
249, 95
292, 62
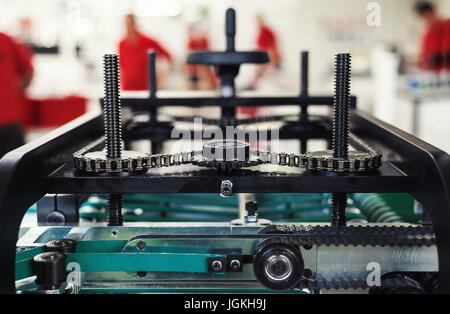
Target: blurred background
395, 74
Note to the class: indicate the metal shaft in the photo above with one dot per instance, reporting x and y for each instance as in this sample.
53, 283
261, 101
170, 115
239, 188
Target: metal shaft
338, 206
113, 129
228, 73
115, 202
153, 87
341, 106
111, 106
152, 73
341, 129
304, 83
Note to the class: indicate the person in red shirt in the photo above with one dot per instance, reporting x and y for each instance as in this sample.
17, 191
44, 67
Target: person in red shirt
435, 43
198, 41
133, 53
266, 40
16, 73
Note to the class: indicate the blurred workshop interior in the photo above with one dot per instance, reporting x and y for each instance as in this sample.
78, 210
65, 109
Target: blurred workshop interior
67, 38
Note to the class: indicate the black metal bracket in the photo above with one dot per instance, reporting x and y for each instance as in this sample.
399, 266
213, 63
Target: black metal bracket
45, 166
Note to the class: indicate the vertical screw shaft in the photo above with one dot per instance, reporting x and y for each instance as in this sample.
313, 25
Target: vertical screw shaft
341, 106
304, 83
111, 106
338, 206
115, 202
113, 129
341, 129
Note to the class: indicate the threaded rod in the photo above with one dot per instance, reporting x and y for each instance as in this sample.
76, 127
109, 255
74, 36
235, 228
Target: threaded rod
341, 129
113, 129
338, 206
115, 202
341, 106
111, 106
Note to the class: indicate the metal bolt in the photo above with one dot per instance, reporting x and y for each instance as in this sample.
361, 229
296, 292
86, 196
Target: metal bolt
142, 274
341, 129
216, 265
307, 273
141, 245
226, 188
113, 129
235, 264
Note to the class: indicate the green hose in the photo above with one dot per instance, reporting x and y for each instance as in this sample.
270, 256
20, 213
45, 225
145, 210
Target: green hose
375, 208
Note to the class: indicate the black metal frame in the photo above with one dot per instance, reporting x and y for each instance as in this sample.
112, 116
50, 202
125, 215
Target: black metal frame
45, 166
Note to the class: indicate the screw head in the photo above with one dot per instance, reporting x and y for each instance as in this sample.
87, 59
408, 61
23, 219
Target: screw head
235, 264
140, 245
142, 274
216, 265
307, 273
226, 188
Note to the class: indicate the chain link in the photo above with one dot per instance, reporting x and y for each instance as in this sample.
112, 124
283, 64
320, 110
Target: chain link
365, 159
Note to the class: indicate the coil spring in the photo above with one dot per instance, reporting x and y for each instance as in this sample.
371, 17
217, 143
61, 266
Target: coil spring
375, 208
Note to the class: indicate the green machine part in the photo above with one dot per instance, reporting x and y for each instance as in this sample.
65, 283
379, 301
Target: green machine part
108, 256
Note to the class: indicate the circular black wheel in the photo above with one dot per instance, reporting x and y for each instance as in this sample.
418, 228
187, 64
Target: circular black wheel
278, 266
50, 269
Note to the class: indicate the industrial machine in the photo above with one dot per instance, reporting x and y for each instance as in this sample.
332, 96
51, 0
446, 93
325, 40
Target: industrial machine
367, 213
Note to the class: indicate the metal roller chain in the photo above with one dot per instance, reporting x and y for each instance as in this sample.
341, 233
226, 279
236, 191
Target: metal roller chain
365, 159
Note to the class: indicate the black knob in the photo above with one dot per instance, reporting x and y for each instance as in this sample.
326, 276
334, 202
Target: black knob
50, 269
251, 208
228, 62
230, 28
